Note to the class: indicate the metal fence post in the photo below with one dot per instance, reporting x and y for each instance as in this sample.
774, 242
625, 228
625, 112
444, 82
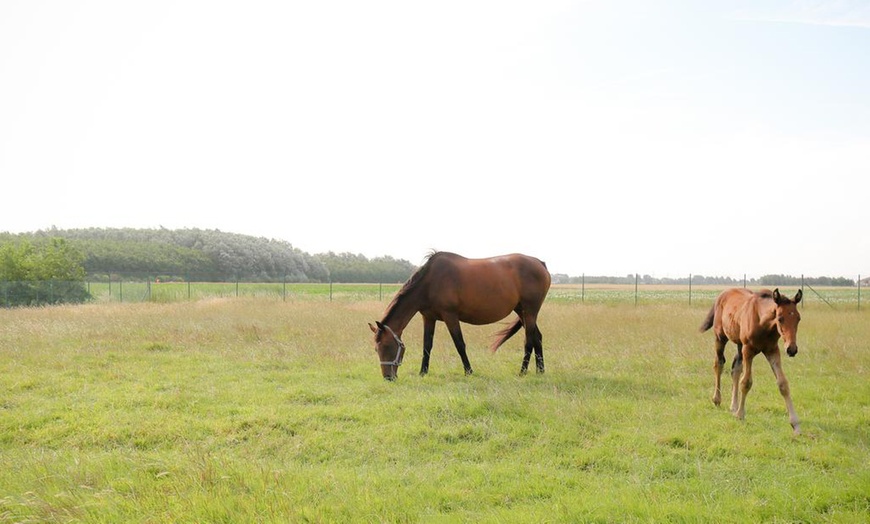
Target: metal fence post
635, 289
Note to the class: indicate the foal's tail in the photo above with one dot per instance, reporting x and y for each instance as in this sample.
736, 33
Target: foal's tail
708, 322
506, 333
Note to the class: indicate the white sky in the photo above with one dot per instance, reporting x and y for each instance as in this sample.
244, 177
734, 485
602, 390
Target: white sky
605, 137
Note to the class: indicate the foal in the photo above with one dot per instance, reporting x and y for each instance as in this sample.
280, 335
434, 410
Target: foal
755, 322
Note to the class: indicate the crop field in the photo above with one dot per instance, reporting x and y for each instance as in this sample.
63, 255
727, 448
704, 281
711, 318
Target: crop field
255, 409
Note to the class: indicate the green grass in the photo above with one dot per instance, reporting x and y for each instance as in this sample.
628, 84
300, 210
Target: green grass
253, 410
837, 298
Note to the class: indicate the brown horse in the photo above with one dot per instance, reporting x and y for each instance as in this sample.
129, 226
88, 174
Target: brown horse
755, 322
455, 289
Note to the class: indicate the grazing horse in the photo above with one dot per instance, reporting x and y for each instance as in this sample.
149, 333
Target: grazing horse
755, 322
454, 289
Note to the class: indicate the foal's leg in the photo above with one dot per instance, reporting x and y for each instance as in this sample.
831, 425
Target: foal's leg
718, 364
428, 337
745, 381
775, 359
736, 371
459, 342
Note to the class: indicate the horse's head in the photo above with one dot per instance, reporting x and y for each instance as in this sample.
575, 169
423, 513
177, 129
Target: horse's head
787, 320
390, 350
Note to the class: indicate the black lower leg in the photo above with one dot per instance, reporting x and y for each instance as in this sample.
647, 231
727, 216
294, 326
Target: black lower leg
528, 356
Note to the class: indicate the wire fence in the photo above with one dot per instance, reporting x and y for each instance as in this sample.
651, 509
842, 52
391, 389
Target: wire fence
41, 293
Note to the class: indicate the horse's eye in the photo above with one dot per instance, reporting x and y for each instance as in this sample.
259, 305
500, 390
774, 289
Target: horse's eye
781, 319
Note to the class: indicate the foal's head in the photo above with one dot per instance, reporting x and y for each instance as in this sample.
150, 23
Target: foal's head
787, 320
390, 350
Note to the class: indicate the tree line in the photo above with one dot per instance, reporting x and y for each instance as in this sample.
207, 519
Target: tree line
201, 255
51, 266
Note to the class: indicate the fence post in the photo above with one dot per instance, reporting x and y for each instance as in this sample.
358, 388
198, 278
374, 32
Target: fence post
583, 288
330, 290
120, 291
744, 280
380, 292
690, 289
802, 291
635, 290
859, 292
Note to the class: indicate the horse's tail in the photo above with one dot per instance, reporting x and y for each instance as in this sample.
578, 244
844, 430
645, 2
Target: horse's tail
708, 322
506, 333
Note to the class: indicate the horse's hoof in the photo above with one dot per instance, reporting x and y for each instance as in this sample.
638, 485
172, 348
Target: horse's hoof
469, 372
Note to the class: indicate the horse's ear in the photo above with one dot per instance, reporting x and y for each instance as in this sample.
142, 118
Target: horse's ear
374, 330
776, 296
799, 296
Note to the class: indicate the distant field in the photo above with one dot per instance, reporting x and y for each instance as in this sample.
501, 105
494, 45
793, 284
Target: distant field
835, 297
251, 410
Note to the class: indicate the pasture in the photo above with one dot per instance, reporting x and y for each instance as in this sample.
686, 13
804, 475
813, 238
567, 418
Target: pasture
265, 410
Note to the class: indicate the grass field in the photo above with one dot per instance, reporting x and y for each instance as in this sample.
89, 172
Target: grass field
840, 298
257, 410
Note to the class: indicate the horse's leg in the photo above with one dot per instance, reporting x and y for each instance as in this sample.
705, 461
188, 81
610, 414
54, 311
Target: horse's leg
775, 359
428, 337
534, 339
459, 342
745, 380
718, 364
526, 357
736, 371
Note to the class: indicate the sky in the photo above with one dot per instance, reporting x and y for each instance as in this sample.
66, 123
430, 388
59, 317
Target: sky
606, 137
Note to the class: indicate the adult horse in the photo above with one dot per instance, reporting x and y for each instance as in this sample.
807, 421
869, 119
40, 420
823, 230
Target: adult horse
453, 289
755, 322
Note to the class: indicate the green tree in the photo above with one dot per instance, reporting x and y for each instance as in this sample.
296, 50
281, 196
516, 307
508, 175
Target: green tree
45, 272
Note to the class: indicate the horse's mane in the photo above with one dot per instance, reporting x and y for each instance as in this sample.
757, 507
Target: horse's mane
412, 282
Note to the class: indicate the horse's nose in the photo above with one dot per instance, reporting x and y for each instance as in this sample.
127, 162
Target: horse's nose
792, 351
